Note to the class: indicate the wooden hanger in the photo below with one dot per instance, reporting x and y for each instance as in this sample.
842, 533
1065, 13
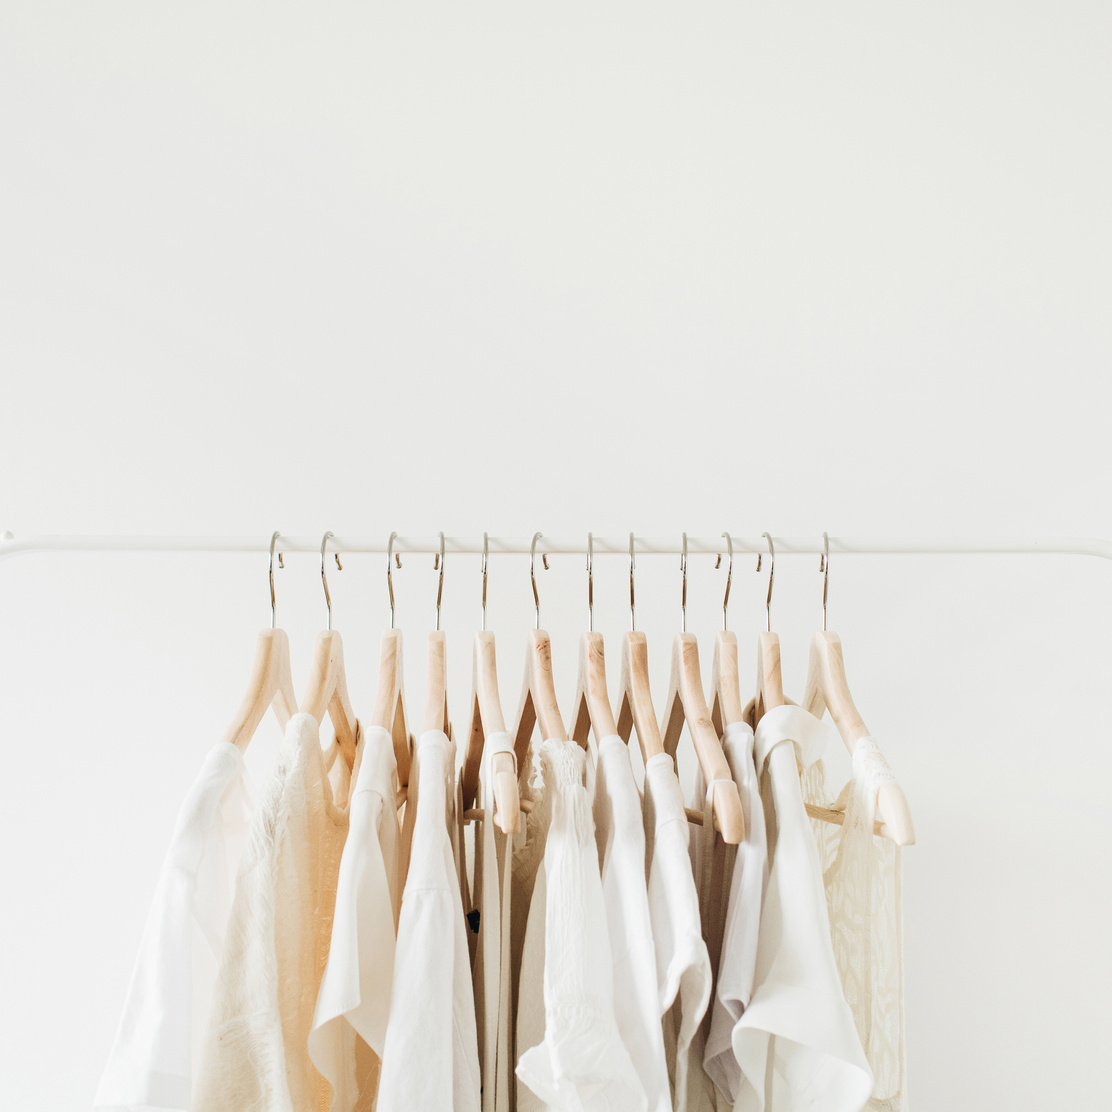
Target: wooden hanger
591, 705
486, 719
770, 684
635, 703
687, 703
827, 688
327, 689
538, 693
726, 703
271, 682
389, 708
436, 671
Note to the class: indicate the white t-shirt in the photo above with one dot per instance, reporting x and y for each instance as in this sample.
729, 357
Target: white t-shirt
431, 1058
349, 1024
256, 1053
580, 1064
166, 1012
620, 836
796, 1042
493, 871
683, 970
747, 881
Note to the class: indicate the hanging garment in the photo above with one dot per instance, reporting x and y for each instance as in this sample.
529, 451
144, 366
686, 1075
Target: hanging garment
747, 879
683, 969
796, 1042
863, 898
256, 1054
493, 871
349, 1024
579, 1063
620, 836
152, 1063
431, 1058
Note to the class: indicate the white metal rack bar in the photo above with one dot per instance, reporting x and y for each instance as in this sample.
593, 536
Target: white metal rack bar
670, 546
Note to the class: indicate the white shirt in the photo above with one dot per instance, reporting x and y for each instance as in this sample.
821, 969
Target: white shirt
796, 1042
580, 1064
737, 963
152, 1062
354, 997
683, 970
256, 1054
493, 872
620, 836
431, 1061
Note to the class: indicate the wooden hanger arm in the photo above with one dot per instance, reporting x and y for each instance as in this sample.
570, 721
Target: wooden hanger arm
726, 705
389, 707
538, 697
635, 704
436, 684
486, 720
592, 700
270, 685
326, 691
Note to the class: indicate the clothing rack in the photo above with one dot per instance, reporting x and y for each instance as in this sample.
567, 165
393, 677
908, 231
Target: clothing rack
668, 546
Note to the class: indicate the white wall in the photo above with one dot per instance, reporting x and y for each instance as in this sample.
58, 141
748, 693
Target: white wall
791, 267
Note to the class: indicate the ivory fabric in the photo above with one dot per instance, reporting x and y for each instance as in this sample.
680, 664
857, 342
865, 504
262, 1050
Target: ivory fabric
580, 1064
748, 878
683, 970
796, 1042
431, 1059
863, 896
153, 1060
620, 836
256, 1052
349, 1022
493, 873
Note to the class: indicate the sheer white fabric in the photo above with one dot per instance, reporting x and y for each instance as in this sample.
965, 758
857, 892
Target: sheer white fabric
864, 899
620, 835
796, 1042
431, 1058
166, 1012
256, 1054
581, 1064
493, 871
349, 1024
683, 969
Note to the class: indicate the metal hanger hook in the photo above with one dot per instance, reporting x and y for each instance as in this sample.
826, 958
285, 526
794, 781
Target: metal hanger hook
323, 577
532, 573
824, 567
632, 565
486, 552
729, 576
771, 573
590, 583
683, 590
273, 607
438, 562
390, 557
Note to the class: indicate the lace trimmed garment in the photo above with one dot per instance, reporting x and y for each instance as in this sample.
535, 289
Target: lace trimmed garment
580, 1063
349, 1023
863, 895
431, 1058
683, 970
152, 1063
796, 1042
493, 870
256, 1055
620, 835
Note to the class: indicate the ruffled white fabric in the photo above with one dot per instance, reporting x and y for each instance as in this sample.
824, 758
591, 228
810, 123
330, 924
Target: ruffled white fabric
620, 835
683, 969
748, 879
431, 1058
863, 895
493, 870
166, 1012
256, 1053
349, 1024
796, 1042
581, 1064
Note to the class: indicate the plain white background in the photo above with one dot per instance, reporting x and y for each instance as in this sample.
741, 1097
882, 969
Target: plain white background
790, 267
